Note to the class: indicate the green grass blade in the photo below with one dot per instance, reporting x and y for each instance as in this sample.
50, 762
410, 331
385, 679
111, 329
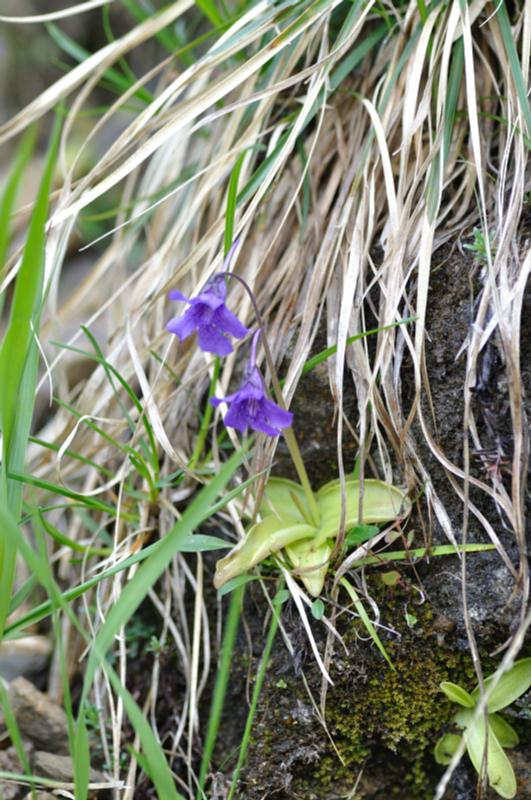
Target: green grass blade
9, 195
210, 10
18, 369
366, 619
232, 200
26, 302
135, 591
116, 81
330, 351
154, 761
89, 502
220, 689
259, 682
516, 70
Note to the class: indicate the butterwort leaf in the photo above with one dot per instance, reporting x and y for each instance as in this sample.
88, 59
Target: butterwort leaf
311, 560
446, 747
505, 733
262, 539
381, 502
512, 684
499, 769
457, 694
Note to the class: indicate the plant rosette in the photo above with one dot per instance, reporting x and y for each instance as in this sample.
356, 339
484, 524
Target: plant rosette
287, 524
497, 735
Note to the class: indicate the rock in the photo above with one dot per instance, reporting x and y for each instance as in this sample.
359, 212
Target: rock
60, 768
520, 761
26, 657
10, 762
40, 796
42, 722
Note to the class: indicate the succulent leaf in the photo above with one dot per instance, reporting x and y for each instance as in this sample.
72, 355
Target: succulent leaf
505, 733
446, 747
381, 502
282, 496
312, 561
515, 682
264, 538
457, 694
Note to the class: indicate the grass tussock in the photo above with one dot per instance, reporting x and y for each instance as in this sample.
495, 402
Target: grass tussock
346, 145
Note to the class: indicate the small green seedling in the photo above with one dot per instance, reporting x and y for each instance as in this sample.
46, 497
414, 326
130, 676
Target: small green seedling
497, 736
479, 245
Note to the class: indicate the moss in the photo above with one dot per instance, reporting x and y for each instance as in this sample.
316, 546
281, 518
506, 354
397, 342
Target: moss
396, 715
382, 720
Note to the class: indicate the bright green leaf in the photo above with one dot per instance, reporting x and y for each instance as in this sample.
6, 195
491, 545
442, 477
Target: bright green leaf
281, 597
318, 609
514, 683
199, 543
457, 694
505, 733
234, 583
360, 534
446, 747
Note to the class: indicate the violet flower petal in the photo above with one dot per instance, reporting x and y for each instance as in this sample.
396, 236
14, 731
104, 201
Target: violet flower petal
175, 294
183, 326
230, 323
208, 315
250, 408
277, 416
211, 340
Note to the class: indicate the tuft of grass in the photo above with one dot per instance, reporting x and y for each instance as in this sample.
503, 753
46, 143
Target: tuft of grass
343, 144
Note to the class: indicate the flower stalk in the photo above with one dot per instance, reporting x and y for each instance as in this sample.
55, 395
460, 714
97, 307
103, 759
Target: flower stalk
289, 435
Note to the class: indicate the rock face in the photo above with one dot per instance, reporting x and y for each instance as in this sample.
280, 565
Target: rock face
384, 723
10, 762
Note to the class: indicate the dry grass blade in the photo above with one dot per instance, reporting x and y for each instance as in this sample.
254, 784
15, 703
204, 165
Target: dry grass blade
371, 139
52, 15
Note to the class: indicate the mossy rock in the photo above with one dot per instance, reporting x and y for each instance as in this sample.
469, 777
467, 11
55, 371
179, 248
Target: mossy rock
384, 723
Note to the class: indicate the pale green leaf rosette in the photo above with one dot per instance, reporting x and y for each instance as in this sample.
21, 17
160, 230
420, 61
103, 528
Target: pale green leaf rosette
496, 736
287, 524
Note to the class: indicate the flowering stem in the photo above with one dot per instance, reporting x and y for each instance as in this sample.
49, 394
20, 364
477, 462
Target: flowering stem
207, 416
289, 435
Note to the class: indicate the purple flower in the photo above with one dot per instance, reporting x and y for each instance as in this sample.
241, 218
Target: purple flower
250, 408
209, 316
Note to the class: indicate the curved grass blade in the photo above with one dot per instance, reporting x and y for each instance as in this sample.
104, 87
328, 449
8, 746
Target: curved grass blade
18, 370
